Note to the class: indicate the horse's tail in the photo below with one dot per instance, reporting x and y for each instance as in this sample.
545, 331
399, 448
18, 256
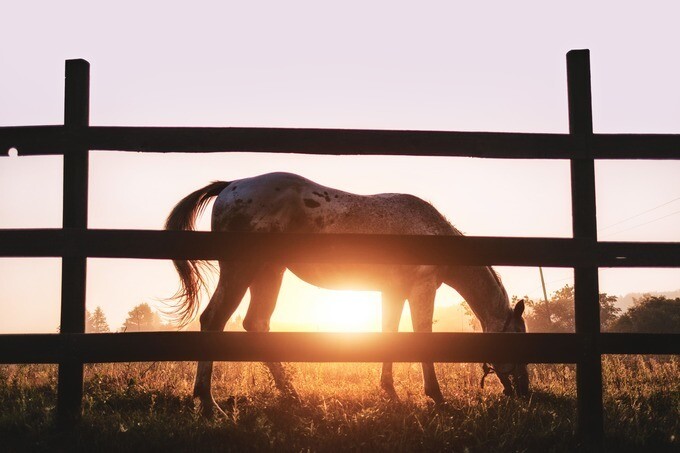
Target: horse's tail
183, 217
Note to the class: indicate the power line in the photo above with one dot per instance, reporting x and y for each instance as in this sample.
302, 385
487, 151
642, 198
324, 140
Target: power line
553, 281
543, 283
639, 214
645, 223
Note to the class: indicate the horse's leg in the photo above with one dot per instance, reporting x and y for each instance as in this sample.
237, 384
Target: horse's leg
421, 303
392, 307
264, 292
230, 290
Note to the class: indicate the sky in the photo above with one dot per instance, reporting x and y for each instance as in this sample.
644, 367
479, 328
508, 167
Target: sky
482, 66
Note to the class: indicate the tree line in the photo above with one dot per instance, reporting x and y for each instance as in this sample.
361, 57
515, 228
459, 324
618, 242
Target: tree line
648, 314
142, 318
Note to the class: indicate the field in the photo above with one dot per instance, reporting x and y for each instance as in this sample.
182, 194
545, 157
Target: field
148, 407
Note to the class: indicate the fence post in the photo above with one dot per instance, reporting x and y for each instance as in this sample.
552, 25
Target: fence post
586, 291
74, 266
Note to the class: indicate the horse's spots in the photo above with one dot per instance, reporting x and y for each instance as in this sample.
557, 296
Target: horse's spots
323, 195
233, 188
250, 200
310, 203
336, 196
239, 201
277, 189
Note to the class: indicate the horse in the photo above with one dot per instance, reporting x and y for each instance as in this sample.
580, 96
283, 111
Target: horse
288, 203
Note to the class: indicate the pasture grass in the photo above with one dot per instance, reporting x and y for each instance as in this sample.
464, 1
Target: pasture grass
148, 407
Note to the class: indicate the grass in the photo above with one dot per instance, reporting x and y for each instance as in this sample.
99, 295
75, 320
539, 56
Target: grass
148, 407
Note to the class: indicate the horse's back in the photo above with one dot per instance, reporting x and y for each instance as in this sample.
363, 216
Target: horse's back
285, 202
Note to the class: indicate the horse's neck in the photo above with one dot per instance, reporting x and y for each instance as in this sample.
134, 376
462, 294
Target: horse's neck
483, 291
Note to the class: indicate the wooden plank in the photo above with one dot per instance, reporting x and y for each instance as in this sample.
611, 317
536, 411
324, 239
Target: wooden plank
381, 249
36, 141
291, 347
53, 140
637, 254
639, 343
73, 269
33, 243
333, 142
636, 146
586, 298
345, 347
33, 140
323, 347
466, 250
30, 348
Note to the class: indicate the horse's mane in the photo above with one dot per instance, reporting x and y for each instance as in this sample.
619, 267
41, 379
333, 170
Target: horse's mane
498, 280
496, 276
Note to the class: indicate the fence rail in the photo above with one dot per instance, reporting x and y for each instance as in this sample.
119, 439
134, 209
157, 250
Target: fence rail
323, 347
74, 243
55, 140
313, 248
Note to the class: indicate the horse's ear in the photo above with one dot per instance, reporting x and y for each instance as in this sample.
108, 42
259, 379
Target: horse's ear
519, 309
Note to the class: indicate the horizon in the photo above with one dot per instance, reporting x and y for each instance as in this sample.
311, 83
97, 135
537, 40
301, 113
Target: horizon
461, 321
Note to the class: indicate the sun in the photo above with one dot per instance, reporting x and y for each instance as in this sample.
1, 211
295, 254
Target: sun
348, 311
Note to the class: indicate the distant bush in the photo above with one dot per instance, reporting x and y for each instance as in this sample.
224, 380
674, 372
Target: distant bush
557, 314
143, 318
650, 314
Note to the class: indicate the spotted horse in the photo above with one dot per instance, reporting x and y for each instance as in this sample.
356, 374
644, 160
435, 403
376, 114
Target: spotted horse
288, 203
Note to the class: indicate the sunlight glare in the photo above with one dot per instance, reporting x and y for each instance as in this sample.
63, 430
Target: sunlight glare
348, 311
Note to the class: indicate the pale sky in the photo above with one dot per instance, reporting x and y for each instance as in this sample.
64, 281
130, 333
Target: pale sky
484, 66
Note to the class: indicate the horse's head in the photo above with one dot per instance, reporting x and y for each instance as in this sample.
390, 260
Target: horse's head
513, 376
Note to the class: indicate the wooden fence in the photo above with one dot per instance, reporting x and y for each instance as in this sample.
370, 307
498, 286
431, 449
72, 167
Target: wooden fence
74, 243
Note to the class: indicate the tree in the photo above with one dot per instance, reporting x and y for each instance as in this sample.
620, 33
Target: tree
88, 322
650, 314
96, 322
473, 321
141, 317
557, 315
609, 313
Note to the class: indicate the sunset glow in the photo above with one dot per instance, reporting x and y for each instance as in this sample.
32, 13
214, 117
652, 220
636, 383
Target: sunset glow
340, 226
348, 311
